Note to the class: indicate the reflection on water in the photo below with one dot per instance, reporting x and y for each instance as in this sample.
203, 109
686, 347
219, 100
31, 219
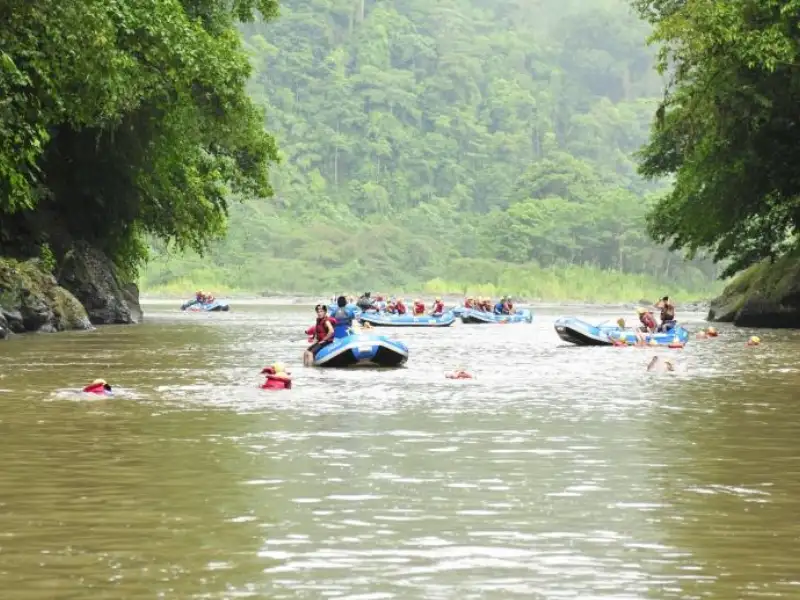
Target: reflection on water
558, 472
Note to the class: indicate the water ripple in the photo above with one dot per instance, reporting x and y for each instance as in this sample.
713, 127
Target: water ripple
557, 472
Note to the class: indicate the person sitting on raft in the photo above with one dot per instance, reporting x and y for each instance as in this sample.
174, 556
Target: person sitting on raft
400, 307
322, 331
502, 307
468, 303
342, 318
278, 378
667, 314
438, 308
508, 306
99, 387
365, 302
419, 307
648, 322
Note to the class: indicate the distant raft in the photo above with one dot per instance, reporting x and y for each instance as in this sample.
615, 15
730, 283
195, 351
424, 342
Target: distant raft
389, 320
471, 316
362, 350
578, 332
195, 306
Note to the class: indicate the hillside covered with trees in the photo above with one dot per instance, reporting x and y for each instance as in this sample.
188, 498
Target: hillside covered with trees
451, 145
120, 123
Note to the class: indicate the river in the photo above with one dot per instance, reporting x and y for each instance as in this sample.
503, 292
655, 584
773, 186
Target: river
559, 472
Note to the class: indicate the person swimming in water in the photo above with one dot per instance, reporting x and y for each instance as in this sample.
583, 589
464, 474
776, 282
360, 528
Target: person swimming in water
99, 387
278, 378
660, 365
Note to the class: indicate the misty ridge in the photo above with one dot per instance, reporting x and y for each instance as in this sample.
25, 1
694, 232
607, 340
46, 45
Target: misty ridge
450, 146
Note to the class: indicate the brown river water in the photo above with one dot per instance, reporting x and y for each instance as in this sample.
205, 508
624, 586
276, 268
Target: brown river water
559, 472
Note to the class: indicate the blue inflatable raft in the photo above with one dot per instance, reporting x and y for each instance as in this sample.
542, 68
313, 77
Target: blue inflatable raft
480, 316
390, 320
581, 333
362, 350
195, 306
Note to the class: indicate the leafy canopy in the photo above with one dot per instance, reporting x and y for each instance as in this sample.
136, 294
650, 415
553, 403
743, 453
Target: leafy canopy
126, 117
728, 126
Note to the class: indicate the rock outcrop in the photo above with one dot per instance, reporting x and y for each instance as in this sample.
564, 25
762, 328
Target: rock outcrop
86, 291
92, 278
32, 301
765, 295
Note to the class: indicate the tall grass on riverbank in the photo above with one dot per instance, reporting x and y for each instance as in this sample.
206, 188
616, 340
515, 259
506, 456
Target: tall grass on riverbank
461, 277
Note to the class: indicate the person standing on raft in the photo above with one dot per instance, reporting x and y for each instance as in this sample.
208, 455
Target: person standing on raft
667, 314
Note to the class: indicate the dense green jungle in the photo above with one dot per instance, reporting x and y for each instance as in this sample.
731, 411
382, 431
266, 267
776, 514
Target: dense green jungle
484, 146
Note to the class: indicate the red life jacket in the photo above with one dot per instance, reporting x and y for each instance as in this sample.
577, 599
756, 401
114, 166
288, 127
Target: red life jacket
320, 330
401, 308
277, 382
97, 388
419, 308
438, 307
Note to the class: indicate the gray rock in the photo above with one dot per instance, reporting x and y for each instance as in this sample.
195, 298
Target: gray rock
33, 301
758, 311
35, 311
92, 279
130, 292
13, 319
765, 295
4, 329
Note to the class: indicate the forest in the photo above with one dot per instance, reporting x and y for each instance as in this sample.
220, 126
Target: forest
450, 146
123, 123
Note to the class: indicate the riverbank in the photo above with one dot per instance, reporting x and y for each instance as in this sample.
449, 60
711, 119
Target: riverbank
567, 284
449, 300
81, 291
765, 295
